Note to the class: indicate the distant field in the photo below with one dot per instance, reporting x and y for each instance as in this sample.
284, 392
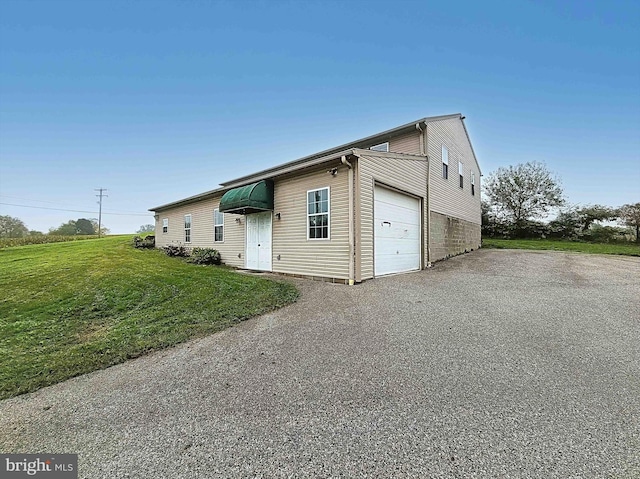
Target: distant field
74, 307
44, 239
629, 249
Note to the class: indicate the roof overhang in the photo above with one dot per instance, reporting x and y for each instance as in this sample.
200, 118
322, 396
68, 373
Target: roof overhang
191, 199
286, 170
363, 143
247, 199
356, 148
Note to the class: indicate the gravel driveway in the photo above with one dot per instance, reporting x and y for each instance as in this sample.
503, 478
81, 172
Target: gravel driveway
494, 364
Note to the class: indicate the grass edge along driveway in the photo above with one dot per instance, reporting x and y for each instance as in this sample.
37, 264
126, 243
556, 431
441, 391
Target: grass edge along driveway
70, 308
626, 249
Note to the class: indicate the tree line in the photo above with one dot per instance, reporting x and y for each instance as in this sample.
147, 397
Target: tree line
11, 227
520, 200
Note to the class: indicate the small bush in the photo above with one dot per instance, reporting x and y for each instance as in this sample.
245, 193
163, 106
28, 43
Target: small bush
176, 250
148, 242
607, 234
205, 256
496, 228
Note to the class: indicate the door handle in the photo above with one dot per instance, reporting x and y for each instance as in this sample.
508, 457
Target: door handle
258, 244
386, 223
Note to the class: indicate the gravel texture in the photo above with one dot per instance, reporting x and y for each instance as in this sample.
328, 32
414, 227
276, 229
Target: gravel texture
493, 364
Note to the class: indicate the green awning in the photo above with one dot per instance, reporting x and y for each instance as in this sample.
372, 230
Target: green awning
248, 199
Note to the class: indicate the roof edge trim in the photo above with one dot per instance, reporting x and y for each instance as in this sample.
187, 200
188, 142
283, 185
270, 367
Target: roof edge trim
378, 137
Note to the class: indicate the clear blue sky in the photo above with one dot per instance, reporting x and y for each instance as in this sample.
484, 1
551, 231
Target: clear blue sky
156, 101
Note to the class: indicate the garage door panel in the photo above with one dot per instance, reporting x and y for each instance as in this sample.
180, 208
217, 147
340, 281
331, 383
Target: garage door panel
389, 264
387, 196
397, 232
397, 246
395, 229
398, 215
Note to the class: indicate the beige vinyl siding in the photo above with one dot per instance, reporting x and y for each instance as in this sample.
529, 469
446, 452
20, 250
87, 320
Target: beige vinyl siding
406, 175
446, 196
408, 143
202, 230
313, 257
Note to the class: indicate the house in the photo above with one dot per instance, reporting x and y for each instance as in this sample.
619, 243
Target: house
389, 203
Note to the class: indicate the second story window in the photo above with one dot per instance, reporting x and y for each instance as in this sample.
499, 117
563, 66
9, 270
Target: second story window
380, 147
218, 226
165, 225
473, 183
187, 228
445, 162
461, 173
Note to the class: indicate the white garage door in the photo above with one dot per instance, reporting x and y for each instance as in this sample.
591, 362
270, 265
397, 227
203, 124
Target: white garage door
396, 232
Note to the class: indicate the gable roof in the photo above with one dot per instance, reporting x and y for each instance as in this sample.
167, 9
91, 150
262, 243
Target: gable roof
317, 158
361, 143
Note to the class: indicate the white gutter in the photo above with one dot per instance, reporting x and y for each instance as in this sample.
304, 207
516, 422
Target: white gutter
287, 169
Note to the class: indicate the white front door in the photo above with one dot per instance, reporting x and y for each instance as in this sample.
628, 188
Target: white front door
258, 254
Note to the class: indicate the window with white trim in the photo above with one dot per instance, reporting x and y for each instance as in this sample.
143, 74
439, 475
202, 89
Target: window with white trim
165, 225
461, 173
318, 214
473, 183
445, 162
187, 228
381, 147
218, 226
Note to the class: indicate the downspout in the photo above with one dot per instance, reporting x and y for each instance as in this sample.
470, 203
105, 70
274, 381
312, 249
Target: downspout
419, 128
352, 251
423, 151
426, 153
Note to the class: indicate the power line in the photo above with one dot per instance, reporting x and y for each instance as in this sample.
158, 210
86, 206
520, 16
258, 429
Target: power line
58, 203
37, 201
76, 211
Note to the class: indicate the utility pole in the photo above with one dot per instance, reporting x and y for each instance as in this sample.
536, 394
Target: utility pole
101, 190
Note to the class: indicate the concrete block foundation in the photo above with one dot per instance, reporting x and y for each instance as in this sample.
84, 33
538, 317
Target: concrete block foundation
452, 236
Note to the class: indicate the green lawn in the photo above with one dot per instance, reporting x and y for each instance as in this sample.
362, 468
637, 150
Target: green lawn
70, 308
629, 249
